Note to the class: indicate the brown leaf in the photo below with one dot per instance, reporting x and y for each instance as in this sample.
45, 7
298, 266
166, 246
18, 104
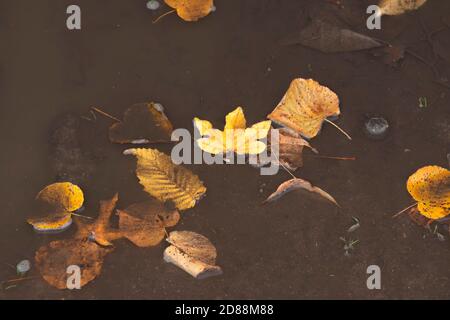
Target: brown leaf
144, 223
328, 38
53, 260
100, 230
142, 123
296, 184
193, 253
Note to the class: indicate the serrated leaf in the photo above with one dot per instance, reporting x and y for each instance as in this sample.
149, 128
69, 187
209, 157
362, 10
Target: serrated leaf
166, 181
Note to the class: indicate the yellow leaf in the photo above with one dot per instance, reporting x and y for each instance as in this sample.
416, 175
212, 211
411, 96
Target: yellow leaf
304, 107
62, 196
430, 186
235, 137
397, 7
52, 223
166, 181
191, 10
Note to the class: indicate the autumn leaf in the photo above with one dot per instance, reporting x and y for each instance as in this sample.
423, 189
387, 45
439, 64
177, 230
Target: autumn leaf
235, 136
53, 260
100, 230
305, 106
142, 123
397, 7
191, 10
144, 223
297, 184
430, 187
193, 253
329, 38
54, 205
165, 181
290, 149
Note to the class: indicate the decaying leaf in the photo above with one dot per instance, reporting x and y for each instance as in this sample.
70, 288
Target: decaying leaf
166, 181
290, 149
235, 136
397, 7
430, 187
142, 123
144, 223
329, 38
193, 253
54, 205
296, 184
304, 107
100, 230
53, 260
191, 10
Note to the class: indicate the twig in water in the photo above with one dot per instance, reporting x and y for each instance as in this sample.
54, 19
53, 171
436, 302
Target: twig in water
339, 128
404, 210
105, 114
162, 16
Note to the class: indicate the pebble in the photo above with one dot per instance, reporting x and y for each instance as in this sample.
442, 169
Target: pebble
376, 128
153, 5
23, 267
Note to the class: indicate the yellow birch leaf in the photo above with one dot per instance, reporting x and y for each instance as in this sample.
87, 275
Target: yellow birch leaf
304, 107
430, 187
235, 119
166, 181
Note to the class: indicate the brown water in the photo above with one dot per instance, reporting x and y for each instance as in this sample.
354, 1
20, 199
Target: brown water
290, 249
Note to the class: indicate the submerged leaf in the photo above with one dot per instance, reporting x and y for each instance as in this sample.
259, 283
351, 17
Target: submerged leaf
235, 136
304, 107
191, 10
295, 184
328, 38
193, 253
142, 123
430, 187
53, 260
166, 181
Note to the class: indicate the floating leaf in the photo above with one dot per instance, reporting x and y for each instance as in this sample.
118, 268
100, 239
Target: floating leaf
193, 253
328, 38
63, 196
142, 123
53, 260
304, 107
235, 136
56, 222
54, 205
191, 10
296, 184
397, 7
166, 181
144, 223
430, 187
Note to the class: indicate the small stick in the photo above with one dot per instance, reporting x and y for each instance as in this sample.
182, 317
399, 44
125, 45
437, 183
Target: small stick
400, 212
19, 279
341, 130
105, 114
335, 158
81, 216
162, 16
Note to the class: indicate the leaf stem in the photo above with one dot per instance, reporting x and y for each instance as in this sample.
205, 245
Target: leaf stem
403, 210
339, 128
162, 16
105, 114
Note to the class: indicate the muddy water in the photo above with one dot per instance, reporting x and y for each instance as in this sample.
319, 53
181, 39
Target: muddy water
290, 249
